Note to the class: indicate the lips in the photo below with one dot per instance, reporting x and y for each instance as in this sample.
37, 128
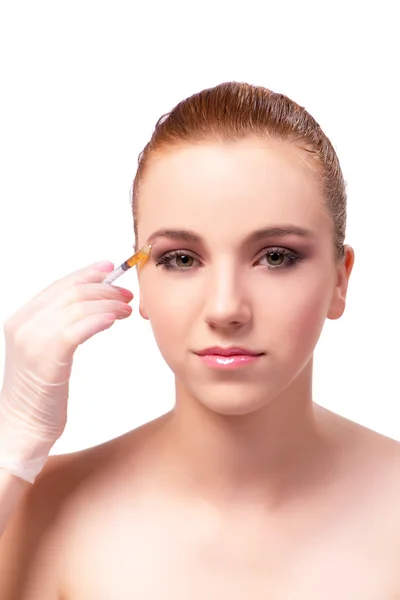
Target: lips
229, 358
232, 351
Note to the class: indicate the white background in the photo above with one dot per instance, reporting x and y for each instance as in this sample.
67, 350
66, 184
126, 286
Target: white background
82, 85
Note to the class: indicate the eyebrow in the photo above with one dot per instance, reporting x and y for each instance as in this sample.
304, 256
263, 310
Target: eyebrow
255, 236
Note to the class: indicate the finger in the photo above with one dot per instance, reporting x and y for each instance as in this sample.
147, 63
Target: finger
91, 274
51, 335
76, 294
86, 327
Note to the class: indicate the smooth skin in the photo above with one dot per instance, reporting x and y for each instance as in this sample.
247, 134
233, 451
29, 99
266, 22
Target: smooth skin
247, 489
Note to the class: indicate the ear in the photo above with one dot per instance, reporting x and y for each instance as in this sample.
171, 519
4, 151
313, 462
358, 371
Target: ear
142, 310
344, 269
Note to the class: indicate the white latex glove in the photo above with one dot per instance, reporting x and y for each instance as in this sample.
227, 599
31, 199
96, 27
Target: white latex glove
41, 339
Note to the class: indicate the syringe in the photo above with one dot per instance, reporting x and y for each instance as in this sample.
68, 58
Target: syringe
141, 255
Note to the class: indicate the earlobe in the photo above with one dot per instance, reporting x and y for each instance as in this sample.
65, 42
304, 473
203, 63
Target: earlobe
142, 310
338, 303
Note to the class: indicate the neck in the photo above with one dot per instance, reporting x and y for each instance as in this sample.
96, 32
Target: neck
263, 457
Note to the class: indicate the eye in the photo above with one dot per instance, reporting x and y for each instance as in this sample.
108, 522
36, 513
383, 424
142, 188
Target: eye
280, 258
183, 261
277, 258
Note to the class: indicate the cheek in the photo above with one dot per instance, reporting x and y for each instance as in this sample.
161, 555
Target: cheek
296, 312
172, 312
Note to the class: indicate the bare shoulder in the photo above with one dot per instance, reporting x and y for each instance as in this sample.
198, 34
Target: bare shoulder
371, 461
64, 479
367, 494
362, 446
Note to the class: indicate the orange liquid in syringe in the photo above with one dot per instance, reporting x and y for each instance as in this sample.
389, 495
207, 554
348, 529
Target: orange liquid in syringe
142, 255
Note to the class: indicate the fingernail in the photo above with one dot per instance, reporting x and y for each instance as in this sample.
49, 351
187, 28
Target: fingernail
126, 293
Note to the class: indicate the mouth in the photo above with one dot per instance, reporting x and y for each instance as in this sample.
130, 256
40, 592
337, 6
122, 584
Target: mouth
228, 358
232, 351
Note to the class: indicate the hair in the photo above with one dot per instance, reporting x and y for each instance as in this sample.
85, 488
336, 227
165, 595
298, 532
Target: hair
233, 111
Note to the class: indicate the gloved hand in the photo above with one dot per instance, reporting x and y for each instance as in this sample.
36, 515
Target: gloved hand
41, 339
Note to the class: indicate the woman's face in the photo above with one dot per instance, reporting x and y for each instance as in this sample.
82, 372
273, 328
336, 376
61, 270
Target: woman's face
244, 257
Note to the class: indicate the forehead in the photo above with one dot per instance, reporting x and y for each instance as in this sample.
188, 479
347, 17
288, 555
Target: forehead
231, 188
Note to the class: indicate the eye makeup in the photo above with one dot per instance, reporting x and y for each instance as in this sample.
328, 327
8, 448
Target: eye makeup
280, 257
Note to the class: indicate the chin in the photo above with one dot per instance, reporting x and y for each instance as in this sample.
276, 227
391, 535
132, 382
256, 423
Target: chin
233, 400
229, 410
236, 395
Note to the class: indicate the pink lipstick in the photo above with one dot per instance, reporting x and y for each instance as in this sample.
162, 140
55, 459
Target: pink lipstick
228, 358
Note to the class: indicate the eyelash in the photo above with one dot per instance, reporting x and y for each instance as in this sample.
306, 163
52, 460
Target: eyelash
292, 258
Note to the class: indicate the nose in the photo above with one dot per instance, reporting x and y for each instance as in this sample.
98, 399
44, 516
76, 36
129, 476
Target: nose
226, 303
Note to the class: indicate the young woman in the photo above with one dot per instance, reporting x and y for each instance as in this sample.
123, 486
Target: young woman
246, 489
